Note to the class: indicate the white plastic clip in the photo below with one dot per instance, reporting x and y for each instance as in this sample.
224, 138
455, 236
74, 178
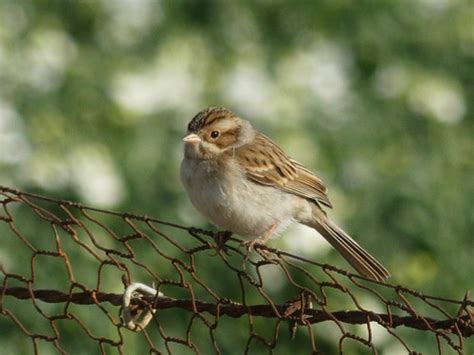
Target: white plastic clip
137, 320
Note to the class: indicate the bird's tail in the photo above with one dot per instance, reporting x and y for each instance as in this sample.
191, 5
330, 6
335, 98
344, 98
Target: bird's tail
361, 260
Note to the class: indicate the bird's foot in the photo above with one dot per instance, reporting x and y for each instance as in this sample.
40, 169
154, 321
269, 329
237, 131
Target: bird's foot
249, 245
258, 245
221, 238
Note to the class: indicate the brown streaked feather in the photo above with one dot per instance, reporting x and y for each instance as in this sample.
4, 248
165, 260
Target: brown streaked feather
360, 259
227, 138
266, 164
207, 117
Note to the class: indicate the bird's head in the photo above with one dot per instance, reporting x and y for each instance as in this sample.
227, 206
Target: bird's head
214, 131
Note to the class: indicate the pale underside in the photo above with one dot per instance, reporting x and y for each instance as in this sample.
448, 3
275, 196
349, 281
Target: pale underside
249, 190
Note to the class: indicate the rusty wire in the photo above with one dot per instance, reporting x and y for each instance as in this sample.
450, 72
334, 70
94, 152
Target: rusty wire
98, 252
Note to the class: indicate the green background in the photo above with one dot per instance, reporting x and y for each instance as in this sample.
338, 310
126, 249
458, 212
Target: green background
376, 97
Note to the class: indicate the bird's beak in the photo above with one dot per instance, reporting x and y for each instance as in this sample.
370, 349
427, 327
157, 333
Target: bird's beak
192, 138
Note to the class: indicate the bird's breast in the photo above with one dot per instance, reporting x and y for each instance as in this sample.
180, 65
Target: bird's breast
206, 188
231, 201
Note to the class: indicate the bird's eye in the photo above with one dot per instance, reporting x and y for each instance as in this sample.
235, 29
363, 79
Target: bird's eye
215, 134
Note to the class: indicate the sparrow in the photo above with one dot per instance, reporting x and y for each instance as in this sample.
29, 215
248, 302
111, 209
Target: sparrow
245, 183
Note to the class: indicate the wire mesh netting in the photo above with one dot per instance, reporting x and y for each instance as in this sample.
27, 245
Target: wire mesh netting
64, 267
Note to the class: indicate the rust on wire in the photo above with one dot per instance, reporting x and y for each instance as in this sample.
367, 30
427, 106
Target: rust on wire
76, 257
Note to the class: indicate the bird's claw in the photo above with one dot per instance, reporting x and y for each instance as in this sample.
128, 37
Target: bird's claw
221, 238
249, 245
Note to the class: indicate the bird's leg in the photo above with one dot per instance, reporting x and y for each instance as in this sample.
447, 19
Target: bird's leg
221, 238
249, 244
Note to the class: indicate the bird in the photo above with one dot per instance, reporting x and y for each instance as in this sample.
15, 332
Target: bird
244, 183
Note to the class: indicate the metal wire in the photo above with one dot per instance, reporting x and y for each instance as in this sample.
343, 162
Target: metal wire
81, 257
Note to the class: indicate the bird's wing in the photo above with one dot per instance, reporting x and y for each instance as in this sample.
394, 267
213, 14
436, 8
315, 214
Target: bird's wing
265, 163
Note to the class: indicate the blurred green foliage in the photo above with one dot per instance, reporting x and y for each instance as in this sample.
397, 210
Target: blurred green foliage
376, 97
